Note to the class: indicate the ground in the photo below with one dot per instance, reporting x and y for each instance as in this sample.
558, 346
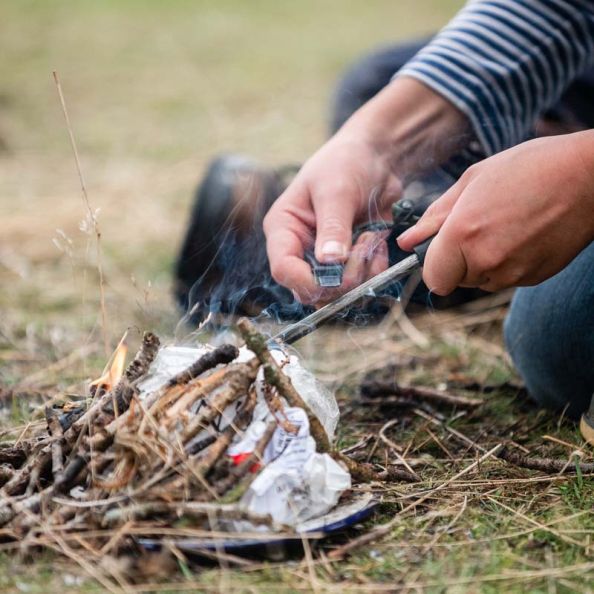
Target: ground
153, 90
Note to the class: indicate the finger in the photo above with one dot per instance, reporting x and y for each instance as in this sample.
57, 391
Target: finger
286, 237
432, 220
335, 214
445, 265
357, 264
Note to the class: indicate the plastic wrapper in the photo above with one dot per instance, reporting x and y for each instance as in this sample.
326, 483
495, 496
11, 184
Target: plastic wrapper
295, 483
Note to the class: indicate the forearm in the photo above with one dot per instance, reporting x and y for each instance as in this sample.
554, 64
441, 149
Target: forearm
413, 127
503, 63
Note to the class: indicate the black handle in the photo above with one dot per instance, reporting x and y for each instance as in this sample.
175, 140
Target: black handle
421, 249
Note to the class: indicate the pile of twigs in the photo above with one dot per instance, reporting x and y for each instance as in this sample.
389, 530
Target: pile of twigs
123, 461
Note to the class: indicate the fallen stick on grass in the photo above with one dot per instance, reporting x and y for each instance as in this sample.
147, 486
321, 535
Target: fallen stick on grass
381, 388
189, 509
550, 465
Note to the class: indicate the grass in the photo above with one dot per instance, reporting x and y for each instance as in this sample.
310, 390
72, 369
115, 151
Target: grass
154, 90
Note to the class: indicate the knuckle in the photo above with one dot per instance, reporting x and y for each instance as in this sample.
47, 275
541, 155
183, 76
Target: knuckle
470, 173
515, 275
433, 213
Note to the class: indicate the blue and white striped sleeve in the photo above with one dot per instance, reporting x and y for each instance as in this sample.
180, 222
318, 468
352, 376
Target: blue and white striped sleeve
503, 62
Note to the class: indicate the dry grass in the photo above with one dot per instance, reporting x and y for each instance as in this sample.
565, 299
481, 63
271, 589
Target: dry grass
154, 89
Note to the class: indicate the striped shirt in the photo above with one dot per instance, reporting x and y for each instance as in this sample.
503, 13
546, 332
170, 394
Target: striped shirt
504, 62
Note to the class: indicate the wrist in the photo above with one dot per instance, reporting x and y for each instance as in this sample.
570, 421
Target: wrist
583, 147
413, 127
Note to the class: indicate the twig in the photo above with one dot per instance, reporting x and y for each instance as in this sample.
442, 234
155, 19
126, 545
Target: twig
16, 454
221, 355
549, 465
188, 509
380, 388
367, 473
275, 377
238, 385
121, 393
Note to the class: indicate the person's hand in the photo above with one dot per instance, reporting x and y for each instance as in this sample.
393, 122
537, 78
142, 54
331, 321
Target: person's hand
354, 178
347, 182
514, 219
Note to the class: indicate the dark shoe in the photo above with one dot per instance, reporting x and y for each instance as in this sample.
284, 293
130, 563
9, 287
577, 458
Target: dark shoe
222, 265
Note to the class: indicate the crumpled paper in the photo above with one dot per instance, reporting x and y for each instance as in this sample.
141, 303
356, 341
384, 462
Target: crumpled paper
297, 483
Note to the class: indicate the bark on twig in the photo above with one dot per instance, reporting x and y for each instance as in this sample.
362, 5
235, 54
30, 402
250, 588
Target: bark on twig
221, 355
21, 479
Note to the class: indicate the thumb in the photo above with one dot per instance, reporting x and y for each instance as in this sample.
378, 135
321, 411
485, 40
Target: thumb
432, 220
334, 229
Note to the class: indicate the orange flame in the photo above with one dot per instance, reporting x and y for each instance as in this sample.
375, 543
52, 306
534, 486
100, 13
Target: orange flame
112, 374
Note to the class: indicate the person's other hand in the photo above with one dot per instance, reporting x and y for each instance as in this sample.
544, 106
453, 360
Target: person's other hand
514, 219
354, 178
347, 182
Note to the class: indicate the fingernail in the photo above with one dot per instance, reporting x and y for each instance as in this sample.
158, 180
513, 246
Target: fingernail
405, 234
333, 249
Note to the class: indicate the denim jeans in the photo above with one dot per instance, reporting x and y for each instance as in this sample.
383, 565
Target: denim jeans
550, 328
549, 333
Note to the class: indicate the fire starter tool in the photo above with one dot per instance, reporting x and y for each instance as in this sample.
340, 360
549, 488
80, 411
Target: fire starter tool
370, 288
